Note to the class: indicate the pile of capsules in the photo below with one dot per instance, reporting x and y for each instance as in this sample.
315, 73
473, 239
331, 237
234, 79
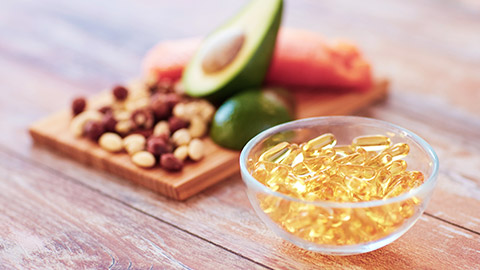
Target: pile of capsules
319, 170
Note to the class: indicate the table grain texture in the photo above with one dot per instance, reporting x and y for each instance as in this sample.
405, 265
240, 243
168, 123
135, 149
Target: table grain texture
58, 214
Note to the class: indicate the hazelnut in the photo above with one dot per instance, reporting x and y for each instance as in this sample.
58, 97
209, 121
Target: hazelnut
109, 122
120, 93
79, 121
164, 85
78, 105
142, 119
151, 81
93, 129
158, 146
165, 137
170, 162
144, 132
160, 107
175, 123
105, 109
172, 99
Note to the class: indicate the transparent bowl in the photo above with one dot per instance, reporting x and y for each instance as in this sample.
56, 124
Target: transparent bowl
340, 228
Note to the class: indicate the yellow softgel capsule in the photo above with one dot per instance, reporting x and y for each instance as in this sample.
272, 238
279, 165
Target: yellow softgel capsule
319, 164
292, 156
372, 143
277, 176
315, 146
276, 153
343, 151
397, 167
380, 160
398, 151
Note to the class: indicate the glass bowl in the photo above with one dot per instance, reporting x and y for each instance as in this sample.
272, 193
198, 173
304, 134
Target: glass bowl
339, 228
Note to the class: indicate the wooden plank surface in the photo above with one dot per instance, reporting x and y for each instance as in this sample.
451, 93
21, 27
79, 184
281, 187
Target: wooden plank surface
59, 224
433, 65
218, 163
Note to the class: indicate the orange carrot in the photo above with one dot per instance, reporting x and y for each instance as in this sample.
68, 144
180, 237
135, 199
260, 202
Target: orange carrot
301, 58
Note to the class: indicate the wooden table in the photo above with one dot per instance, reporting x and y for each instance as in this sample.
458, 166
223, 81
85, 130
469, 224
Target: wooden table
56, 213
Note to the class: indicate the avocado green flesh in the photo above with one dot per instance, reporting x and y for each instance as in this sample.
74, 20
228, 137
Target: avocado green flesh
245, 115
259, 21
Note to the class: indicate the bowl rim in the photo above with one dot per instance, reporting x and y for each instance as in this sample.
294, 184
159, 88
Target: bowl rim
249, 179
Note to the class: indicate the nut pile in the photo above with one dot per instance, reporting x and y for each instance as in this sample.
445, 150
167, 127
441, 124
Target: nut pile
152, 121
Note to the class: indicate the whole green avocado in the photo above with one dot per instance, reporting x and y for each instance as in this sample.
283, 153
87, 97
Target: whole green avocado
246, 114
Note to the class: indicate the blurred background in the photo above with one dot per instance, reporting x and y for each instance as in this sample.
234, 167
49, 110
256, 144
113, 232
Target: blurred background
92, 45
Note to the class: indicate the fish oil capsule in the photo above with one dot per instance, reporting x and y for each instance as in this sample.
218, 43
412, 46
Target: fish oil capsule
380, 160
299, 187
315, 182
382, 179
372, 143
301, 169
316, 145
329, 152
368, 173
350, 170
343, 151
355, 186
417, 178
347, 159
398, 150
277, 177
318, 164
292, 157
360, 158
298, 158
261, 170
276, 153
397, 185
397, 167
260, 173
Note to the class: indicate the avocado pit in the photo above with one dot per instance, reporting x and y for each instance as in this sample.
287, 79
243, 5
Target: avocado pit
222, 50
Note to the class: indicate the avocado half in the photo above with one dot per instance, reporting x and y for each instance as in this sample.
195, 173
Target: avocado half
255, 31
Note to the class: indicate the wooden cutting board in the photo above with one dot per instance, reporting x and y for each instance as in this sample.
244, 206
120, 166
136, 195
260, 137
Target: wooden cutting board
218, 162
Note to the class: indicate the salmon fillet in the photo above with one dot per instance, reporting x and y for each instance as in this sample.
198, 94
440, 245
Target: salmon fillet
301, 58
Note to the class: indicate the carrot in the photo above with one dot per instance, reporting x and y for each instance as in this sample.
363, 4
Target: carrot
301, 58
